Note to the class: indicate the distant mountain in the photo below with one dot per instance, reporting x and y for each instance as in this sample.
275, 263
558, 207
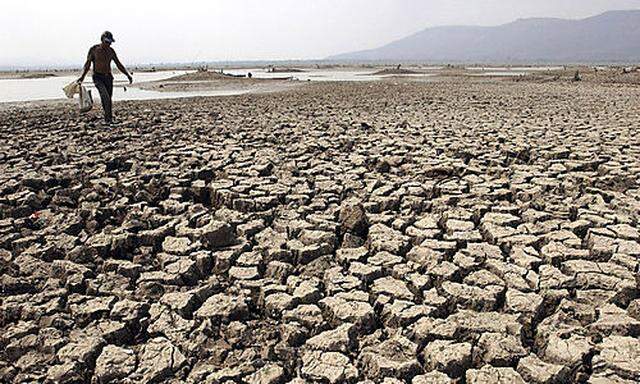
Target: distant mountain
610, 37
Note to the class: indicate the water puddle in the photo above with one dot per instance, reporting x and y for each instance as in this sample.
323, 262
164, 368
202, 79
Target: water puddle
499, 74
315, 74
50, 88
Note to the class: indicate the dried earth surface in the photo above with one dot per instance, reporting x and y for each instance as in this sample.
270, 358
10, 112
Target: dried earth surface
394, 232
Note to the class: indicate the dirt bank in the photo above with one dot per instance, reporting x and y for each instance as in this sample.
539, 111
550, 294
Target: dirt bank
212, 81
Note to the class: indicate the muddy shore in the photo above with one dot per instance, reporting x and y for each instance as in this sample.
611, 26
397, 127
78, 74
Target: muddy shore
397, 232
213, 81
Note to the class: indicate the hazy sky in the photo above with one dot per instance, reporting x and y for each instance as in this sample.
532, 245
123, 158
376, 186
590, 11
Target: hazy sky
46, 32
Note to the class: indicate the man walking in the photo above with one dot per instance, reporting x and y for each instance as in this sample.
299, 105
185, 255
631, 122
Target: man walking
101, 56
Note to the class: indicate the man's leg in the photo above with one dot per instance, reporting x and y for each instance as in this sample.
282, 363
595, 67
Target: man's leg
109, 83
101, 84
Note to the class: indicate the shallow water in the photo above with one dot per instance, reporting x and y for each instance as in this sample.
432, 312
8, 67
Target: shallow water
365, 74
492, 74
511, 69
50, 88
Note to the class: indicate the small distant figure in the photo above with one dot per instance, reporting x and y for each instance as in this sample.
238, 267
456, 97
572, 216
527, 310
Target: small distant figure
399, 65
577, 77
101, 56
250, 75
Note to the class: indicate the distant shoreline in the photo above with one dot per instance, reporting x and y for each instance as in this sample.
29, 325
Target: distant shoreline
6, 71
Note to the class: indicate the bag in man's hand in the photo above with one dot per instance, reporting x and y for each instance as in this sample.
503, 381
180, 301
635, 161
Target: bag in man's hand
71, 89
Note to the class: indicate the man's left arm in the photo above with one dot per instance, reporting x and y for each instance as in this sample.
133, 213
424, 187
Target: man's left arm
121, 67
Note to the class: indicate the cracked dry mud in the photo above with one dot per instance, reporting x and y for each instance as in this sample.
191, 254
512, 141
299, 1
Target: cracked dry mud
387, 232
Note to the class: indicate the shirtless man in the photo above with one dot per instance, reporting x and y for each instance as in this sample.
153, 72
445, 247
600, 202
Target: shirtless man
101, 56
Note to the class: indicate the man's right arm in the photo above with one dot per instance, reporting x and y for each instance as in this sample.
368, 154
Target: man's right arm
87, 65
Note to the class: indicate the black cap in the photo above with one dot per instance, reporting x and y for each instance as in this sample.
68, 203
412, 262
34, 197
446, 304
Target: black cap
107, 37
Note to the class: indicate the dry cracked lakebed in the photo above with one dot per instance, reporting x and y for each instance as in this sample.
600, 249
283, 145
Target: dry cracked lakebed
391, 232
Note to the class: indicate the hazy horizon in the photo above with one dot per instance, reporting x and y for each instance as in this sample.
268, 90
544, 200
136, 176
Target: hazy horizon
249, 30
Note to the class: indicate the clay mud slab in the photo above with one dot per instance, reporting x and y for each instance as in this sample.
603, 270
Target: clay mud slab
395, 231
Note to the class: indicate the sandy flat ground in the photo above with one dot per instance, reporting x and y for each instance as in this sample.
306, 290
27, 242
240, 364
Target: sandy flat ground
403, 230
32, 74
39, 74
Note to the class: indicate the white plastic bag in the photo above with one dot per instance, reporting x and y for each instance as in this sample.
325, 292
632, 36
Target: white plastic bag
86, 101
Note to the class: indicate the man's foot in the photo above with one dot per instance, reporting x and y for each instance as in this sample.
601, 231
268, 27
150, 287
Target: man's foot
107, 124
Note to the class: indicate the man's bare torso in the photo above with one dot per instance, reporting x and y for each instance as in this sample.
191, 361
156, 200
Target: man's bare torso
101, 58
